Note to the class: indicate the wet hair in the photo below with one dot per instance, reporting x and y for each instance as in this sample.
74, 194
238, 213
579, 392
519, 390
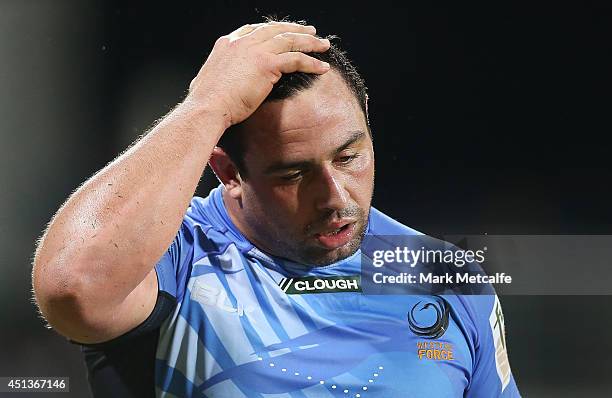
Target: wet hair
290, 85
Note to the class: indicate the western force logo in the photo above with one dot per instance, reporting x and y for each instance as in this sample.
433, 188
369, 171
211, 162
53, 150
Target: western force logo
435, 350
429, 318
321, 284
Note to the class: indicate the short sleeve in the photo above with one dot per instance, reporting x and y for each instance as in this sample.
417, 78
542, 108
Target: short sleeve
492, 376
169, 269
173, 267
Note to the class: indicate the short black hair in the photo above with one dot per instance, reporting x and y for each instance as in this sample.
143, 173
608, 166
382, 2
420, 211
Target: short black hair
291, 84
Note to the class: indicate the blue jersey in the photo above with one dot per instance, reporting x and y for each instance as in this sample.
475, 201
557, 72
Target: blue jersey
250, 325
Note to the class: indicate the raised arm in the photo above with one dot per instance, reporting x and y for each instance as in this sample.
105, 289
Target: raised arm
93, 275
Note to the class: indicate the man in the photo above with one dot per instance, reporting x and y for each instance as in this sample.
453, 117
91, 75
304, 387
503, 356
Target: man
257, 294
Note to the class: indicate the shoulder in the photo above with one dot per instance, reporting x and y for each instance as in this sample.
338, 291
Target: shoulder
382, 224
385, 232
198, 213
205, 227
482, 320
474, 311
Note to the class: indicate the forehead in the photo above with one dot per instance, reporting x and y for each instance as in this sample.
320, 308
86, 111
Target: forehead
318, 118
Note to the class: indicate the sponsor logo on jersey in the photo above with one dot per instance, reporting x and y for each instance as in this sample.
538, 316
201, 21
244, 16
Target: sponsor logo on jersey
429, 318
321, 284
496, 320
435, 350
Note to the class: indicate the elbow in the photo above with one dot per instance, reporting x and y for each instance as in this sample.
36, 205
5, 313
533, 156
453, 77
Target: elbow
79, 289
60, 294
56, 290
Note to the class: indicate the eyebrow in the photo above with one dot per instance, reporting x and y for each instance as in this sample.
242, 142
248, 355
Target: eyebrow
280, 166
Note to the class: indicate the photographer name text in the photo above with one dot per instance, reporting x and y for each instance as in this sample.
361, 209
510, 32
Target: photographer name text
445, 279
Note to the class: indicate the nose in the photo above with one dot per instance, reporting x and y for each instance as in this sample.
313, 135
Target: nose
330, 193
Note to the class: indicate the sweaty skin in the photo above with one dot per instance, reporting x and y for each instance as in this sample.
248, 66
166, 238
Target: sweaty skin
93, 273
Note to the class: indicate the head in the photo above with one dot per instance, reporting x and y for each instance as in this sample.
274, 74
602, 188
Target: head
299, 172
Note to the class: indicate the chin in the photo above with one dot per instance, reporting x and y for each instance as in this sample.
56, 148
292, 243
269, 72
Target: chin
321, 258
316, 256
342, 253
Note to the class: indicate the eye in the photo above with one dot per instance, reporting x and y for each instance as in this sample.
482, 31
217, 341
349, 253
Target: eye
347, 158
292, 177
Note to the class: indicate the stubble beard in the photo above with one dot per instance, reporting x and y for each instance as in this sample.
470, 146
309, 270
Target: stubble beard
315, 256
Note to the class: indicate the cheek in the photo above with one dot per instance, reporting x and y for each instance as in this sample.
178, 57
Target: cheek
362, 177
286, 215
268, 210
366, 167
285, 201
279, 201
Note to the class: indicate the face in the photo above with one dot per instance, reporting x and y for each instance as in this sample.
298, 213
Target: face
310, 180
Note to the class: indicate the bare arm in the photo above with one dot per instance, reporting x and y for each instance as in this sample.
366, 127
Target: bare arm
93, 275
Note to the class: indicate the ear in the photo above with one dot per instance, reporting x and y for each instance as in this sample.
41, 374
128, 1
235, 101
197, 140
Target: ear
226, 172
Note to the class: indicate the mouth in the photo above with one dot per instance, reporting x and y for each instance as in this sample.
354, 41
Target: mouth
337, 235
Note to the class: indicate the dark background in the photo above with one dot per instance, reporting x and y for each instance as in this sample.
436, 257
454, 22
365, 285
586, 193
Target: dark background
487, 118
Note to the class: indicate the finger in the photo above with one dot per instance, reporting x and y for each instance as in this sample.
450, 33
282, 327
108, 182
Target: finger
244, 30
299, 62
286, 42
269, 30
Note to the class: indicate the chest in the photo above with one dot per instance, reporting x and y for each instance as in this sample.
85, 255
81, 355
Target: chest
244, 335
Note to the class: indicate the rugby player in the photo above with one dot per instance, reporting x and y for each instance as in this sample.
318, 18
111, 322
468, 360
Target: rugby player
251, 291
